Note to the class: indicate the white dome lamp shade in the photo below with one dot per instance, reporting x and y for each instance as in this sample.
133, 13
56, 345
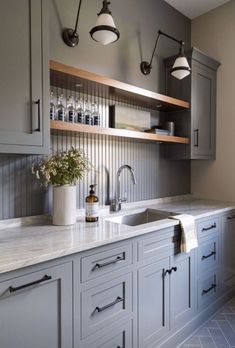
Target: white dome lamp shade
181, 67
105, 30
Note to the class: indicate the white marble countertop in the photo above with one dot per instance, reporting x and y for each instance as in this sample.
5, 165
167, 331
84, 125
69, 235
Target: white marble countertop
28, 241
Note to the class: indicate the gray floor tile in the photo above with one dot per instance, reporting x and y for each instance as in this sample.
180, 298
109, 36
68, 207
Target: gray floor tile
202, 332
193, 341
231, 319
207, 342
219, 338
227, 331
211, 324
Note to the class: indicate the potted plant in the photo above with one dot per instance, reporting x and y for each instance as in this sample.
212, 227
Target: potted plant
62, 170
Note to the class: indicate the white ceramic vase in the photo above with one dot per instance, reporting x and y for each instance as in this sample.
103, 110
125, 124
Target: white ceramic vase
64, 205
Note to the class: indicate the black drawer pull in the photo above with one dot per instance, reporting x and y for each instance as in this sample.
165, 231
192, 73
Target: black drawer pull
205, 291
174, 269
101, 309
209, 228
196, 140
231, 217
38, 102
43, 279
209, 255
100, 265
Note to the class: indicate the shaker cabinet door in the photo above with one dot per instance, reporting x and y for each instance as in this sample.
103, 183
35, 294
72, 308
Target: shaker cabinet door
36, 309
182, 289
24, 124
153, 306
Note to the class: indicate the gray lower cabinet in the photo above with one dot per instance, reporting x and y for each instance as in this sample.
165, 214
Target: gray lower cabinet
198, 123
36, 309
153, 303
24, 104
137, 293
182, 289
173, 280
228, 254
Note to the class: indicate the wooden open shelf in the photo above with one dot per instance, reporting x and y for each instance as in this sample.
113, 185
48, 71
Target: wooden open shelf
64, 76
80, 128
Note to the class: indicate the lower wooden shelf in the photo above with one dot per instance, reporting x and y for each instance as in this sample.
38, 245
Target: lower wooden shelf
80, 128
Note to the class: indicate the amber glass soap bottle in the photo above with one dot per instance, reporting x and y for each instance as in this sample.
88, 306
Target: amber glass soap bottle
92, 206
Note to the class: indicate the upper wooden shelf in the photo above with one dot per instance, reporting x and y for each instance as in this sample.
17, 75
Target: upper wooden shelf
80, 128
71, 78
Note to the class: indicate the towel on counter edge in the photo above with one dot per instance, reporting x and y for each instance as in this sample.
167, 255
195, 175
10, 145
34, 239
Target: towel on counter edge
189, 239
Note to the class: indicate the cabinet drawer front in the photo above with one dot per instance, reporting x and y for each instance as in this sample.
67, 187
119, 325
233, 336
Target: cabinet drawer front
98, 264
208, 254
106, 303
155, 247
121, 337
207, 227
207, 289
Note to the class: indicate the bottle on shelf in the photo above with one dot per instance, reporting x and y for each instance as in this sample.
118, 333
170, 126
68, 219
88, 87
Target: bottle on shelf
95, 114
92, 206
80, 111
52, 107
60, 109
88, 116
71, 115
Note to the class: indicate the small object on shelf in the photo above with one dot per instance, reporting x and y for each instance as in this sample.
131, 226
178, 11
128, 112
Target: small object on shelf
171, 127
52, 107
129, 118
60, 109
88, 116
80, 111
158, 130
95, 114
71, 115
92, 206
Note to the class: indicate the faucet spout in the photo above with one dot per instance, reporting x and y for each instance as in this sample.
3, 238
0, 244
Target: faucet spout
118, 202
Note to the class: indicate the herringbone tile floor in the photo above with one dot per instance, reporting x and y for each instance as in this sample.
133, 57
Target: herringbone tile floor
218, 332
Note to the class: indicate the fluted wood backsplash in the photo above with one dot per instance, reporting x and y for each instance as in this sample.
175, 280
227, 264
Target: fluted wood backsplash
22, 195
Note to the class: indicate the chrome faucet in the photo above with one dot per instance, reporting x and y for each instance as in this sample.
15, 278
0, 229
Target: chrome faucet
116, 205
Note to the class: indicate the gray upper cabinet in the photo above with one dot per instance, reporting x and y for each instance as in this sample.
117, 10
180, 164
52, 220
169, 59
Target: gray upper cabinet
24, 88
36, 309
199, 123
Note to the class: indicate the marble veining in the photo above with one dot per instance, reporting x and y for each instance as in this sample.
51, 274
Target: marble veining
27, 241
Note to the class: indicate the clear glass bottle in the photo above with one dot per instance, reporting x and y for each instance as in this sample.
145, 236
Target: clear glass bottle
71, 115
95, 114
52, 107
88, 116
61, 108
80, 111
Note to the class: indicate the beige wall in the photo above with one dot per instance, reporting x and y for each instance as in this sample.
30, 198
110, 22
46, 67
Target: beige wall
214, 34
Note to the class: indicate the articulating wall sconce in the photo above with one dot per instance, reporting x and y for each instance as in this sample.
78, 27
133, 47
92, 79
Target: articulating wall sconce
180, 68
104, 31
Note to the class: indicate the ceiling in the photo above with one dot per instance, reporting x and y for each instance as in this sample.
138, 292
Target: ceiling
195, 8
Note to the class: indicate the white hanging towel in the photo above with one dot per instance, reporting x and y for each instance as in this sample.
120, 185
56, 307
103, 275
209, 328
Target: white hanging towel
189, 239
